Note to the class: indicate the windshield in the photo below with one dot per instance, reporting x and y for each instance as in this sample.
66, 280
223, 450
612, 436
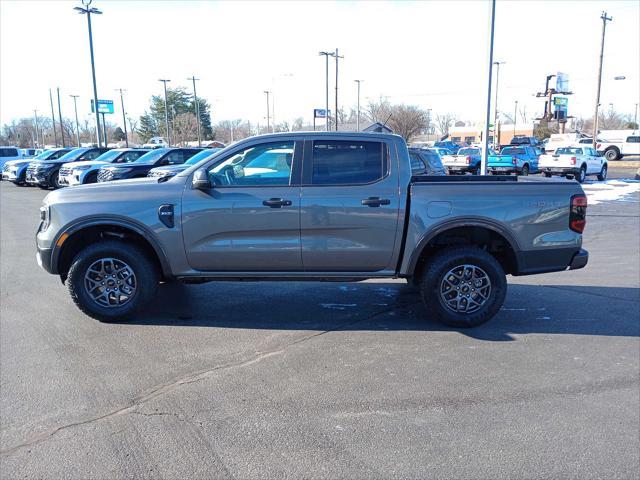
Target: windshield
152, 156
512, 151
520, 141
469, 151
72, 155
49, 154
202, 155
569, 151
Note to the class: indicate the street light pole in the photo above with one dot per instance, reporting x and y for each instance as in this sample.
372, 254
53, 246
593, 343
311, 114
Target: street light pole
515, 118
605, 19
88, 11
60, 119
39, 145
495, 113
337, 57
358, 109
326, 90
197, 107
485, 150
124, 117
268, 111
166, 110
75, 108
53, 120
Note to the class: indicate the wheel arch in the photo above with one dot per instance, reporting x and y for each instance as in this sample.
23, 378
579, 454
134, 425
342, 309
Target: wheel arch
73, 238
485, 234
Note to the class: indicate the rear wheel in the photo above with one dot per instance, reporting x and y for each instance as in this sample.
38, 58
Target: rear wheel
602, 176
582, 174
525, 170
463, 286
612, 154
110, 281
548, 175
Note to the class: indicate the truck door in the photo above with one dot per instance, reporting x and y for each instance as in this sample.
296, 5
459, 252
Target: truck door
350, 200
249, 220
631, 146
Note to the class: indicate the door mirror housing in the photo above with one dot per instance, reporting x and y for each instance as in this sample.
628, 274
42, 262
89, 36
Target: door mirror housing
200, 180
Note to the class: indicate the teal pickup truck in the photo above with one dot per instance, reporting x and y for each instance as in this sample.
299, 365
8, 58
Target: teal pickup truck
521, 160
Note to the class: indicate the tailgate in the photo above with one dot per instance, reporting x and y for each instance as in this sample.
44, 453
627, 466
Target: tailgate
500, 161
457, 160
554, 160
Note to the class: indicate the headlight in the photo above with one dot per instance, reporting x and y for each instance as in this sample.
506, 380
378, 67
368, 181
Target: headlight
45, 217
81, 167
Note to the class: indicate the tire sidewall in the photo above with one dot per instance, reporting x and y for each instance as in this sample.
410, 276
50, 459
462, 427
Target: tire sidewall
454, 257
611, 154
582, 175
603, 173
146, 280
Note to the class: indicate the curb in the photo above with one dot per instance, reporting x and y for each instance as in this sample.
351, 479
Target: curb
625, 163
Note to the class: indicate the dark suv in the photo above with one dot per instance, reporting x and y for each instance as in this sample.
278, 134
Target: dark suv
44, 173
140, 168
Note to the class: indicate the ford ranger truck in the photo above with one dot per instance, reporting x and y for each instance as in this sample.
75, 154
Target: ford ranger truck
330, 206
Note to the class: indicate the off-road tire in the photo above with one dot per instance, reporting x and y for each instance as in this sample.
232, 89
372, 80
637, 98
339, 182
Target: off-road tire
602, 176
437, 268
146, 274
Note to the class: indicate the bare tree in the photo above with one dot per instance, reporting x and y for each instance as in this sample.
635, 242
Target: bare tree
407, 121
185, 128
444, 122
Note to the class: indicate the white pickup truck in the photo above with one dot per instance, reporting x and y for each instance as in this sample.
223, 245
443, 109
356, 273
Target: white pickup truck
615, 150
574, 162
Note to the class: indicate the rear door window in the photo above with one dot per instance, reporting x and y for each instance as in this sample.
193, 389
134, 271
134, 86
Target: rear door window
634, 139
348, 162
417, 165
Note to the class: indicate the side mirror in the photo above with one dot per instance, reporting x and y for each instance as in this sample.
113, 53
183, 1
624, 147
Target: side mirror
200, 180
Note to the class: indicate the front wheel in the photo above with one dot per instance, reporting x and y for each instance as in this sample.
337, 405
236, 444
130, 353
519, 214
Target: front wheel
602, 176
111, 280
463, 286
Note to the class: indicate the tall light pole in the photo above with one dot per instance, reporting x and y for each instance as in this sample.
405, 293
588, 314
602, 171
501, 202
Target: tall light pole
166, 110
35, 115
88, 11
53, 120
268, 111
485, 150
197, 107
428, 122
326, 90
515, 117
60, 119
75, 108
605, 19
358, 109
124, 117
337, 57
495, 113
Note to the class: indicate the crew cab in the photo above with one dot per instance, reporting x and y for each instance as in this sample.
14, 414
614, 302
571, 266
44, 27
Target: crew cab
86, 171
466, 160
521, 160
426, 161
574, 162
141, 167
171, 170
44, 173
16, 170
615, 150
332, 206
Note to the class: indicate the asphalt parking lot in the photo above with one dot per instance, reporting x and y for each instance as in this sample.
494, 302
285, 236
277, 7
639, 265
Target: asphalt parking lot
323, 380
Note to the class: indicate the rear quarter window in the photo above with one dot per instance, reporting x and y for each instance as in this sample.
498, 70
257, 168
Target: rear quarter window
346, 162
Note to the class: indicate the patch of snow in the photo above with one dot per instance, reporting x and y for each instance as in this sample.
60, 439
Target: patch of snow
610, 190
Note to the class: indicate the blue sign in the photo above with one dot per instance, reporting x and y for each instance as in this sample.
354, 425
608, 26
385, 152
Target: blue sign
320, 113
104, 106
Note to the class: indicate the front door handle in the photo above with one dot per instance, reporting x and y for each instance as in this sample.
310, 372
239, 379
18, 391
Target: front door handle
277, 203
375, 201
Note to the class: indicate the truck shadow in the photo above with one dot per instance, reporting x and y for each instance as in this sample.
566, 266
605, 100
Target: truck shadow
390, 306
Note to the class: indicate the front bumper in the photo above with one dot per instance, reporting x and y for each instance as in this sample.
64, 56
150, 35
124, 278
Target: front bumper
43, 257
10, 176
37, 178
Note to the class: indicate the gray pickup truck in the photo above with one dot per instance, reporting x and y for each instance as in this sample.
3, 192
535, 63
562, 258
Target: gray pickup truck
311, 206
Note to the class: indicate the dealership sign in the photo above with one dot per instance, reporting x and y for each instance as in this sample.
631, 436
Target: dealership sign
104, 106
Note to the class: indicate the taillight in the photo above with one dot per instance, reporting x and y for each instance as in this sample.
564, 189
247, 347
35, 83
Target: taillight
578, 213
468, 160
573, 160
598, 146
514, 160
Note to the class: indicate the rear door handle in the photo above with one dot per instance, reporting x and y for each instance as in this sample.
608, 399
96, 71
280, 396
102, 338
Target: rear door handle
277, 203
375, 201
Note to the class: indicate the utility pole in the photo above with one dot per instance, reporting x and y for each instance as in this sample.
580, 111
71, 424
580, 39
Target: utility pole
197, 107
485, 150
605, 19
60, 119
515, 116
88, 11
326, 91
124, 118
39, 145
495, 114
166, 109
53, 120
75, 108
268, 111
337, 57
358, 110
428, 122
